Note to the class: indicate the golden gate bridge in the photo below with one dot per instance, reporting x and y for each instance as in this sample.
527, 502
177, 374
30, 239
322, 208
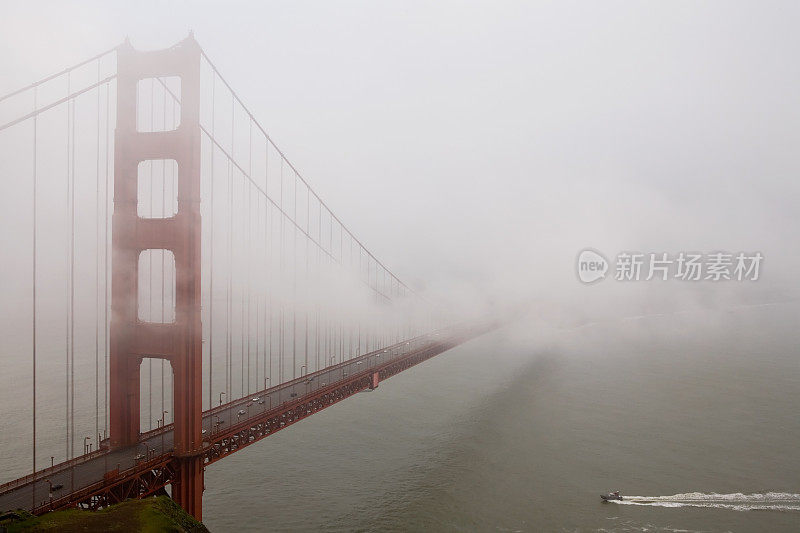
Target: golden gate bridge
188, 292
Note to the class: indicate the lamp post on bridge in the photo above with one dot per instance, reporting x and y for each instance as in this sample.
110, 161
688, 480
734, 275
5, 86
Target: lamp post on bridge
221, 394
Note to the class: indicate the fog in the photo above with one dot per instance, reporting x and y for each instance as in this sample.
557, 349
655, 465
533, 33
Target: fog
477, 148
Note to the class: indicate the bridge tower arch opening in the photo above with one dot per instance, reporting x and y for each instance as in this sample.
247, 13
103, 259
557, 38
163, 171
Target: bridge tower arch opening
155, 397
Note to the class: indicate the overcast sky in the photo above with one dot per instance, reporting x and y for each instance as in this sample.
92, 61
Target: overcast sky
476, 148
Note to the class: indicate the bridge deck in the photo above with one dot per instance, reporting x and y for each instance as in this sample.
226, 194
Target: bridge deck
222, 426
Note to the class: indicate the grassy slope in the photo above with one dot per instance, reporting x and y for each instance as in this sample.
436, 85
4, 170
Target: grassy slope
149, 515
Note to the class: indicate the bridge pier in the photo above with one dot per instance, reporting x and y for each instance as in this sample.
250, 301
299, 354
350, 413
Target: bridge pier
187, 491
132, 339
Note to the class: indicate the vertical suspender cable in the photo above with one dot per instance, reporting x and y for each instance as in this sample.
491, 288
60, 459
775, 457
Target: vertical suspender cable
72, 291
308, 245
271, 286
33, 300
360, 320
341, 272
265, 265
294, 282
229, 287
282, 298
350, 320
211, 249
66, 328
229, 354
105, 281
66, 369
268, 265
242, 291
259, 282
247, 246
97, 280
319, 281
331, 331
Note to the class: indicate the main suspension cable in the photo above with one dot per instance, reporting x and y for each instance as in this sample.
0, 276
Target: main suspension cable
57, 74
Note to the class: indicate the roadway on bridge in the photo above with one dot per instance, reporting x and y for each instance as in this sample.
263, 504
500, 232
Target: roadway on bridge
85, 471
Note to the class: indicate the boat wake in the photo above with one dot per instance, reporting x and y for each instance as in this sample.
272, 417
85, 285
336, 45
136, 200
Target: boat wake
768, 501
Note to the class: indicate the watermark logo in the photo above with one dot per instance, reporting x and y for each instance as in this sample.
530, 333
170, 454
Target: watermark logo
592, 266
683, 266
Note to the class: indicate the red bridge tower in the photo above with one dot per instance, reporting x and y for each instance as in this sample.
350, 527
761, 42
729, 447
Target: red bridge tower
179, 342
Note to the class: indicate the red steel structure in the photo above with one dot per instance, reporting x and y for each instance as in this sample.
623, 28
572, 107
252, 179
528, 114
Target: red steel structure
151, 472
180, 343
176, 454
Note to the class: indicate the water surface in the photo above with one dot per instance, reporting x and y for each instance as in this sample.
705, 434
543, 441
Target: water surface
520, 430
